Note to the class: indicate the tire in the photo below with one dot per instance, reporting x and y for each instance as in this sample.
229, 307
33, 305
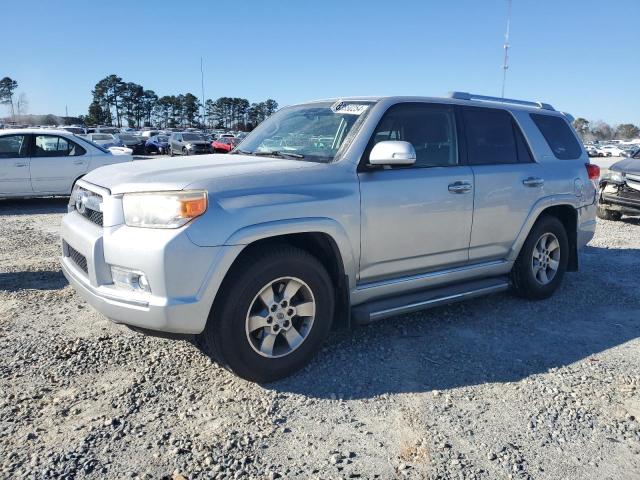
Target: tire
605, 214
527, 278
228, 335
185, 152
171, 154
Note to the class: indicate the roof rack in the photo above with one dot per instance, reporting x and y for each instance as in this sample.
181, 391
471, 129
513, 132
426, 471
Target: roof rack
485, 98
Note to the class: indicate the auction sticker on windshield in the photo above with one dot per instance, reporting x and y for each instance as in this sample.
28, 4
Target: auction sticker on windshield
349, 108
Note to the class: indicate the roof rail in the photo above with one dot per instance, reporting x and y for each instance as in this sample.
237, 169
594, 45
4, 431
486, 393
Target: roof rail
485, 98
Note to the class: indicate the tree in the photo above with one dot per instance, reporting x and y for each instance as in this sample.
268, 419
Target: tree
97, 116
190, 108
7, 87
602, 130
582, 127
22, 104
627, 131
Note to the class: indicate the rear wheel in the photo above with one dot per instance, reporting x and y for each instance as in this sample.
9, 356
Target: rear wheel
539, 269
606, 214
275, 310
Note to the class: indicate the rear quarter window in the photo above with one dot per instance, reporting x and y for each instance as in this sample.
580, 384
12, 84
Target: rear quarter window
559, 137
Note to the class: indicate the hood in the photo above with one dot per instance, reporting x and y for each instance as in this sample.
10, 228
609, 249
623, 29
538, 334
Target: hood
178, 173
628, 165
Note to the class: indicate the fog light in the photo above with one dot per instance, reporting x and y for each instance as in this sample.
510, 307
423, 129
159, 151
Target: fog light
130, 279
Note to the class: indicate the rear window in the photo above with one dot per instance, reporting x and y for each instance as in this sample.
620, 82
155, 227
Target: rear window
558, 135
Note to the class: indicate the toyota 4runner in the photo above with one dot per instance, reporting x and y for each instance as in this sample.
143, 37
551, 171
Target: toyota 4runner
349, 210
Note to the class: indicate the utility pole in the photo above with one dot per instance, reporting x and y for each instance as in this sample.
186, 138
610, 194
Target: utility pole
505, 65
204, 115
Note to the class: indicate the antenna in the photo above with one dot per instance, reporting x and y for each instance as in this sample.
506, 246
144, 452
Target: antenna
505, 65
204, 111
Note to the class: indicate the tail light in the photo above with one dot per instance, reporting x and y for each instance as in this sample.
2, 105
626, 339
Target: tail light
593, 171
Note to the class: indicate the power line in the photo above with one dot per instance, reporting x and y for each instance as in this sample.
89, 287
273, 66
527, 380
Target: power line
505, 65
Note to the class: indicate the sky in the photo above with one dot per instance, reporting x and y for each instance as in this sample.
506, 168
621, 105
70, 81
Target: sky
582, 56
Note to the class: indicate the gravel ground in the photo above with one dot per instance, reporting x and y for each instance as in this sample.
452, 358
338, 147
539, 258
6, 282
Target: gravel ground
494, 388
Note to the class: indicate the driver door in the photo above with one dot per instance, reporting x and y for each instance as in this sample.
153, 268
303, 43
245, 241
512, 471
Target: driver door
416, 219
14, 165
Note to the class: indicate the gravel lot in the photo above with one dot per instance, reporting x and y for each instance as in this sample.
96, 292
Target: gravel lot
490, 389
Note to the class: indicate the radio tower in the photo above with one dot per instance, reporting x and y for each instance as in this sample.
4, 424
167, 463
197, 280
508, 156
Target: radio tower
505, 65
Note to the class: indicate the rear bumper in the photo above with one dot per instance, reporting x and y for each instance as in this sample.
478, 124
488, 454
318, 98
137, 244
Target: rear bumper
184, 277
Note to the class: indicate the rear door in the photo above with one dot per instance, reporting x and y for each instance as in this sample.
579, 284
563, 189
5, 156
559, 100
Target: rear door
14, 165
56, 162
508, 181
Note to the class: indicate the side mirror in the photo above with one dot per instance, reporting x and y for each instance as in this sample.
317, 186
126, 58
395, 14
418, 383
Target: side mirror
392, 152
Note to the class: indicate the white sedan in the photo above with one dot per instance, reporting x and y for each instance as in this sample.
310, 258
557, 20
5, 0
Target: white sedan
38, 162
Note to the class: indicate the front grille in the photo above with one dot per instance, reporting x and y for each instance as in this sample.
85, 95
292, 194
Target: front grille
78, 258
93, 216
87, 204
629, 194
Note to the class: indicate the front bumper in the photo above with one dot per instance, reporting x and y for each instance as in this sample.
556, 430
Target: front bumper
621, 196
184, 277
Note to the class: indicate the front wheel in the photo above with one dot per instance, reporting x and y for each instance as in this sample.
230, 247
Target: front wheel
539, 269
275, 310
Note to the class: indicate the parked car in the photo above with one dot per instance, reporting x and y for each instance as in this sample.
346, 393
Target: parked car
105, 140
593, 151
120, 150
224, 144
157, 144
73, 129
187, 143
37, 162
150, 133
619, 192
416, 202
134, 142
611, 151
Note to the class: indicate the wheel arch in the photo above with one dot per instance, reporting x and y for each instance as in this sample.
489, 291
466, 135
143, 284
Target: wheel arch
565, 211
324, 239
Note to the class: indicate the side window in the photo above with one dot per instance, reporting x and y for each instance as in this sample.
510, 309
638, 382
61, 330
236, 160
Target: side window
54, 146
490, 136
430, 128
13, 146
558, 135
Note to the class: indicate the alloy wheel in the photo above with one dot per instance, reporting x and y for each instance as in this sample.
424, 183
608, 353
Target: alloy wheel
280, 317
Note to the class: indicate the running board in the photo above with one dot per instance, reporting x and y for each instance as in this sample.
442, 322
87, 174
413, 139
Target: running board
413, 302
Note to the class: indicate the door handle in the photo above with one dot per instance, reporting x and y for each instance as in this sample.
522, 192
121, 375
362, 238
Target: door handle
533, 182
78, 162
20, 164
460, 187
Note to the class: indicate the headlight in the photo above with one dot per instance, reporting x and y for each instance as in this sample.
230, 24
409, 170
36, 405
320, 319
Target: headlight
189, 146
163, 209
615, 177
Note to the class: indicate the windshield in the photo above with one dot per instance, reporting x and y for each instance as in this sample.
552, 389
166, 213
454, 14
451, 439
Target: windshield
191, 136
313, 132
162, 138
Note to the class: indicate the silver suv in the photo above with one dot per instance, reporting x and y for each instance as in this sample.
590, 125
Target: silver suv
334, 212
188, 143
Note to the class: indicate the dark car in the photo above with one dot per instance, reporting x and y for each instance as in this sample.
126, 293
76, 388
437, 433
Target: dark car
157, 144
620, 189
134, 142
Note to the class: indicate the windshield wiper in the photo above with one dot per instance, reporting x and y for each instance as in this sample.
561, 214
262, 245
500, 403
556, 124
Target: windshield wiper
277, 153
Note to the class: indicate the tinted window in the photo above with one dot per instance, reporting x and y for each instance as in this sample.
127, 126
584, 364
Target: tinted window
53, 146
490, 136
13, 146
558, 135
431, 129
